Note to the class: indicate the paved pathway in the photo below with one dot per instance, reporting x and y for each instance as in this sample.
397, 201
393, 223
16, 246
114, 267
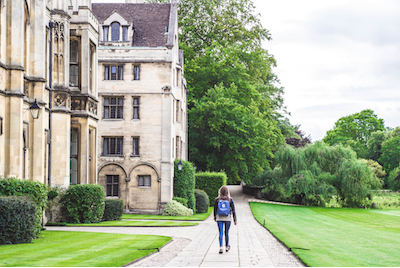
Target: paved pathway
198, 246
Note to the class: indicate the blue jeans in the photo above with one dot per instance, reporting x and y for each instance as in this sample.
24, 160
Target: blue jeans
221, 232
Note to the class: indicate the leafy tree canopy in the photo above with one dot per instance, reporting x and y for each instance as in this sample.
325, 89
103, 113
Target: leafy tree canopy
357, 127
232, 133
390, 153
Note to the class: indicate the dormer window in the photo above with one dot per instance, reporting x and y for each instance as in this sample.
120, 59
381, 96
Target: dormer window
115, 31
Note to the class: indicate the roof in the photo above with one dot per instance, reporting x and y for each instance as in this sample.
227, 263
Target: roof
149, 20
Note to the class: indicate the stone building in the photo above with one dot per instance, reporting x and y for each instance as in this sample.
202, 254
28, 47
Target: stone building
142, 124
108, 79
48, 53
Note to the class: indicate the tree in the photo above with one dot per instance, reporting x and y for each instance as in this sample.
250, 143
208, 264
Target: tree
390, 153
374, 144
222, 44
232, 133
299, 140
357, 127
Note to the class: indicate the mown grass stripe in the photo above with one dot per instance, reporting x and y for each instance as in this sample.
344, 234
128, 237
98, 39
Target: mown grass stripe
335, 237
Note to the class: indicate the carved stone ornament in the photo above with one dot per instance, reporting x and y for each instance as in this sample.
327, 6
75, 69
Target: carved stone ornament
60, 100
93, 107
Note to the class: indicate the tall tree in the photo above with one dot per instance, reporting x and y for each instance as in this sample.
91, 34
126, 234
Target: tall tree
233, 97
358, 127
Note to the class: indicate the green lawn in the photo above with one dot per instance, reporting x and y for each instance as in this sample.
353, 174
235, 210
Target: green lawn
195, 217
79, 249
335, 236
127, 223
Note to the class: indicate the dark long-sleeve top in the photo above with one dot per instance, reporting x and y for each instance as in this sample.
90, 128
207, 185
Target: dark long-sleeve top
224, 218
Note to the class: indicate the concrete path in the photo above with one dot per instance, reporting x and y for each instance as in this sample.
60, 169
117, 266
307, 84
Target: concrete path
251, 244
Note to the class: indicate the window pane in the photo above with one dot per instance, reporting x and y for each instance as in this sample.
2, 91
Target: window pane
119, 115
106, 101
136, 113
115, 190
141, 183
109, 187
73, 171
105, 146
136, 101
109, 178
119, 145
107, 73
74, 50
135, 146
136, 72
106, 112
74, 141
120, 72
125, 33
113, 101
116, 179
120, 101
105, 33
147, 181
112, 145
73, 75
115, 31
113, 111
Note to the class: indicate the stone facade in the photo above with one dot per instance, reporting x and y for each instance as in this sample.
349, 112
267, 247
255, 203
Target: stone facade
110, 83
142, 103
38, 62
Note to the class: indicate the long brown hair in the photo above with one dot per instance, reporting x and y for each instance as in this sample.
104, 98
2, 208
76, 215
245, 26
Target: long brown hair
224, 191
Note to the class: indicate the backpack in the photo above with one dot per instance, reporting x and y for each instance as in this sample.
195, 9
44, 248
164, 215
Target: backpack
224, 208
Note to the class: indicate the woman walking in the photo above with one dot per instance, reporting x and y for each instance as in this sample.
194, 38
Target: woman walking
224, 208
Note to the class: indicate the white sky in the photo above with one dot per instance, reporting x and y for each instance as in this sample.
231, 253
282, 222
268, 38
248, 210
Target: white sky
335, 58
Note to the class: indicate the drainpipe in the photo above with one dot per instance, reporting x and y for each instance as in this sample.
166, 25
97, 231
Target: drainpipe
51, 26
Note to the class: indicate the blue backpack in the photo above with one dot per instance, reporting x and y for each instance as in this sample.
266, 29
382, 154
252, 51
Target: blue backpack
224, 208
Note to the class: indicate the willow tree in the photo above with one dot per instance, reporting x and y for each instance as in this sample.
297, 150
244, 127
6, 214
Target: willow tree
316, 173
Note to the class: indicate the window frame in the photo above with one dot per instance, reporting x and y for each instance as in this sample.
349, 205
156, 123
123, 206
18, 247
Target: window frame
119, 108
108, 72
142, 183
125, 33
1, 125
118, 139
112, 184
136, 72
73, 63
135, 147
75, 156
113, 34
136, 107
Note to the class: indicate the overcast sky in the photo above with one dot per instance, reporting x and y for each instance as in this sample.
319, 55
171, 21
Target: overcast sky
335, 58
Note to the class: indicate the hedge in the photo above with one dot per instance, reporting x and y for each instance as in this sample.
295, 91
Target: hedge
173, 208
17, 219
181, 200
210, 182
113, 210
36, 190
184, 183
202, 201
83, 203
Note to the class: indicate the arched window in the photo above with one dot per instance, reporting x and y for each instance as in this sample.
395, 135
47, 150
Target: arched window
115, 31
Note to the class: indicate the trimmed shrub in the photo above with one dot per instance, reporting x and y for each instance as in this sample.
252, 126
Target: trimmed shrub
184, 183
113, 210
83, 203
210, 182
173, 208
181, 200
53, 209
36, 190
202, 201
17, 219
